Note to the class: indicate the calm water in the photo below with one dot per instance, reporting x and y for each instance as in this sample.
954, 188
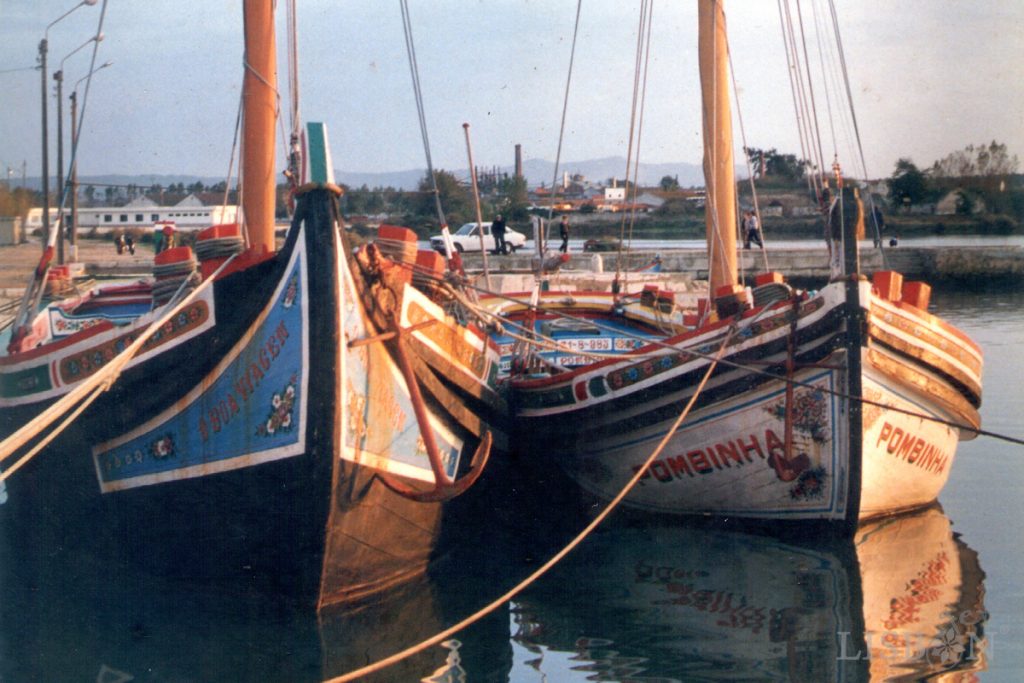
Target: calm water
637, 602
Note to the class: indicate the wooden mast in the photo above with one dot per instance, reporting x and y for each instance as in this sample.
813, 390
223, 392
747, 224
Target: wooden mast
719, 173
259, 116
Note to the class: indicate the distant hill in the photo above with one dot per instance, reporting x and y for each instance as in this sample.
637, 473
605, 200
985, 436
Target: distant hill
537, 171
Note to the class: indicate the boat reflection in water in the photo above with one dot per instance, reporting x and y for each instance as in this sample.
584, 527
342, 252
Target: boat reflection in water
88, 619
903, 599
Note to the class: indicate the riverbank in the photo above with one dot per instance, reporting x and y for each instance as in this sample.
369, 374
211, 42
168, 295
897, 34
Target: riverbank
936, 262
937, 265
18, 261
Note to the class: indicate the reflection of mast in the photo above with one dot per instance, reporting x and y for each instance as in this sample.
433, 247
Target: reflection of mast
259, 107
718, 160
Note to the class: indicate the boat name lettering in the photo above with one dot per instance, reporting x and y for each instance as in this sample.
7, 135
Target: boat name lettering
912, 448
732, 609
714, 457
649, 573
227, 407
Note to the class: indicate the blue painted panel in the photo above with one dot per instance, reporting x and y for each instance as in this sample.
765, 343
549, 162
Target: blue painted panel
251, 410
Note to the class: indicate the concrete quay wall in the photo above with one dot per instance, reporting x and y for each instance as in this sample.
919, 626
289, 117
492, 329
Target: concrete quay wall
933, 264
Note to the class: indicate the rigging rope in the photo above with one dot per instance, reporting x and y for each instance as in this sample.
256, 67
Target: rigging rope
856, 127
34, 292
410, 49
643, 53
565, 109
812, 100
746, 157
235, 149
631, 135
803, 115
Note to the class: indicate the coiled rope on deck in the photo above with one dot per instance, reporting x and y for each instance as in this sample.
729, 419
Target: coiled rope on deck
557, 557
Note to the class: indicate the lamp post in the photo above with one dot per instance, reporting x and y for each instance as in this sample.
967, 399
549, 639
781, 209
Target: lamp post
59, 77
43, 44
74, 160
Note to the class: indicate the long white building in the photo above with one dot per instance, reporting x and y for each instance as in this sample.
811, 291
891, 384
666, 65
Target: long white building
188, 214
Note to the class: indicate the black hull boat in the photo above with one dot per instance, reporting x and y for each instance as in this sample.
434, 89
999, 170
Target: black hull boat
222, 448
245, 414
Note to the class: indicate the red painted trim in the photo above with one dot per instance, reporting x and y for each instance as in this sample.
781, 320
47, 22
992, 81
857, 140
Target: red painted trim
937, 321
47, 349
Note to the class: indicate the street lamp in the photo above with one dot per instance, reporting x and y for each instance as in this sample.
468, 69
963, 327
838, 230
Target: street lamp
74, 160
46, 151
59, 77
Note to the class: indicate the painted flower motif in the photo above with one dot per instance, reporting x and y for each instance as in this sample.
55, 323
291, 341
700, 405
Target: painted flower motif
810, 414
291, 292
810, 484
163, 447
280, 417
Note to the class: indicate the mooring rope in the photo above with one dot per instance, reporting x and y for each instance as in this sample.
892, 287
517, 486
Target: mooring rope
557, 557
90, 390
483, 312
764, 373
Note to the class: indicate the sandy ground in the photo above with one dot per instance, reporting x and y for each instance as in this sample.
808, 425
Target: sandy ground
18, 262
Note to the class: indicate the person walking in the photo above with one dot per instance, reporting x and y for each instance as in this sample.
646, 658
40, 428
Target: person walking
498, 230
751, 233
563, 232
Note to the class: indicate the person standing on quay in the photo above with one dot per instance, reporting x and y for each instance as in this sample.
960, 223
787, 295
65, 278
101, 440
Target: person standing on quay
563, 232
751, 232
498, 230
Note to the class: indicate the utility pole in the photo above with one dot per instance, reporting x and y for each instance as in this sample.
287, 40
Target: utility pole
74, 176
59, 77
46, 151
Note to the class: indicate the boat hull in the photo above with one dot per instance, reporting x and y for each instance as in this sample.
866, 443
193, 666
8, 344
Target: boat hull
796, 421
253, 448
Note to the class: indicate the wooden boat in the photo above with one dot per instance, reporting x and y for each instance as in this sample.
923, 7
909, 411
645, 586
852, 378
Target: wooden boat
901, 600
836, 405
267, 424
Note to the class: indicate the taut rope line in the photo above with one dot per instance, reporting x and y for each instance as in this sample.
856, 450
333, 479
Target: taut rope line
89, 390
543, 569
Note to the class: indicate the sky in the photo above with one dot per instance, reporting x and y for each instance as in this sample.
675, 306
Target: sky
928, 77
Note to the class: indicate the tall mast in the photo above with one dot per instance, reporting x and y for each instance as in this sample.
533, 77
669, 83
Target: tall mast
719, 172
259, 116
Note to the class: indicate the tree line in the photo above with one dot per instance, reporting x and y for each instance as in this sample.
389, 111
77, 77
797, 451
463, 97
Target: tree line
983, 177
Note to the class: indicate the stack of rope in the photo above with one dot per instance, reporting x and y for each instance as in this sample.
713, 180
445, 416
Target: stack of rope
219, 247
175, 271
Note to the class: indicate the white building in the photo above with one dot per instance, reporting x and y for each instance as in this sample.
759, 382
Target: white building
188, 214
614, 194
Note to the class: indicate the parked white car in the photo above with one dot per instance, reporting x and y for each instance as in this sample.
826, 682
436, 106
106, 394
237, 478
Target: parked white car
467, 238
